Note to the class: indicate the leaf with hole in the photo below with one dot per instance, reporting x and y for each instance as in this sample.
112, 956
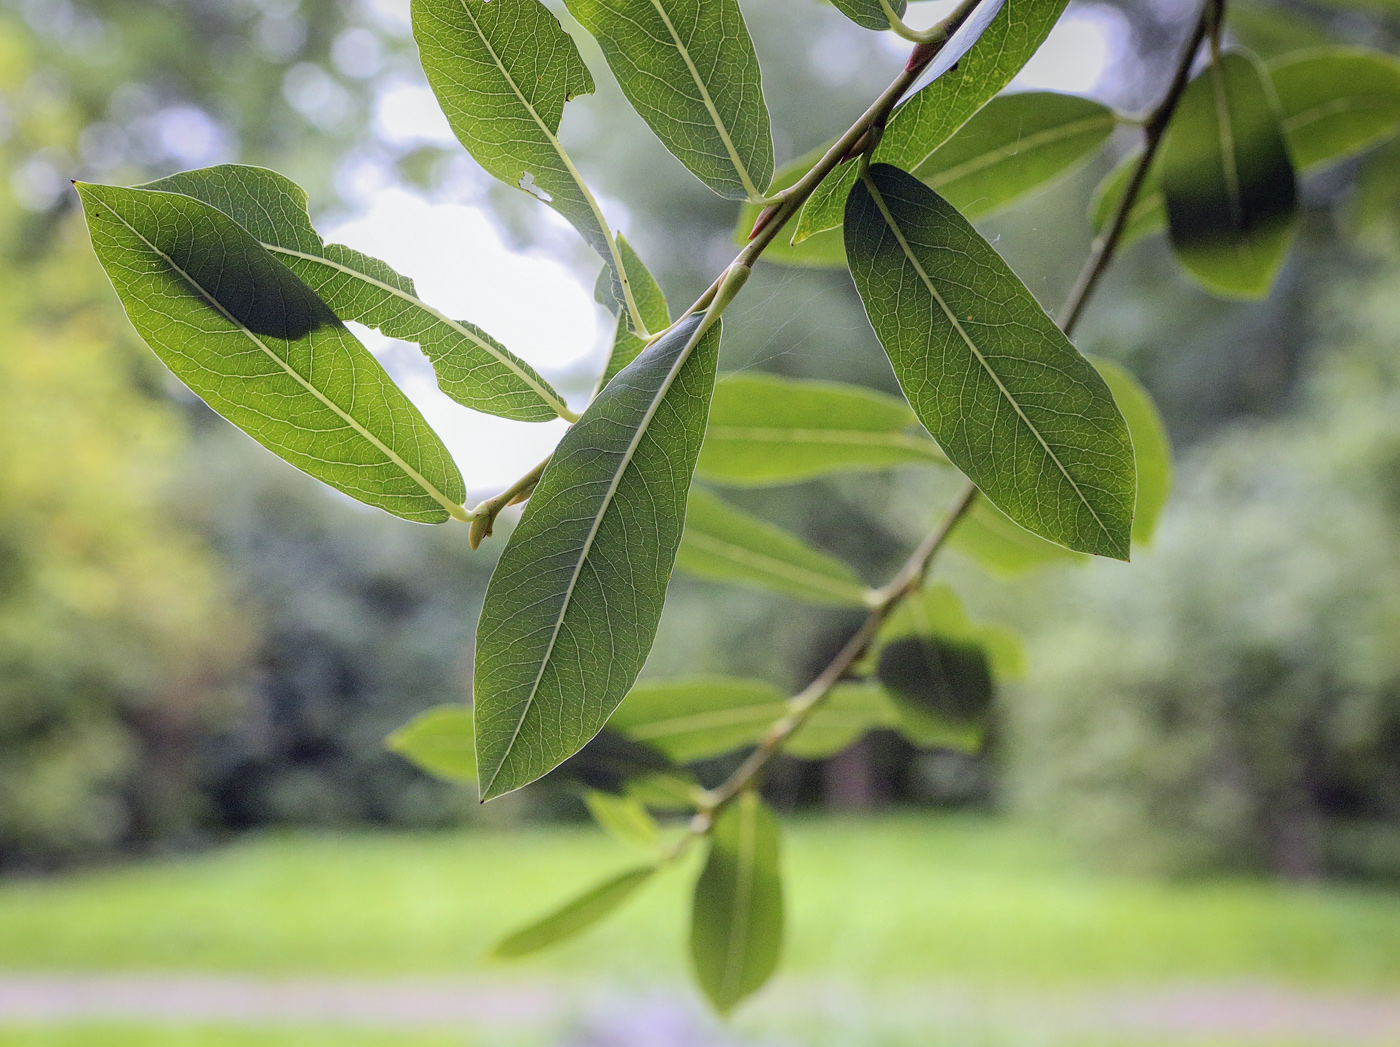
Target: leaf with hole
572, 608
699, 717
471, 366
689, 69
577, 916
736, 930
440, 741
253, 341
1008, 398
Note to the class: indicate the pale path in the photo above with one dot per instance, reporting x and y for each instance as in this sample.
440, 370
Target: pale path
1242, 1011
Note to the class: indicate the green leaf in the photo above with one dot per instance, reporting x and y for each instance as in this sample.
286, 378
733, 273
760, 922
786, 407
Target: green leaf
736, 931
1231, 196
1149, 213
502, 71
1336, 101
1002, 390
689, 68
651, 301
847, 712
1006, 548
441, 741
573, 606
577, 916
937, 611
1152, 449
728, 544
700, 717
259, 347
868, 14
929, 118
823, 251
1016, 144
624, 818
765, 429
471, 366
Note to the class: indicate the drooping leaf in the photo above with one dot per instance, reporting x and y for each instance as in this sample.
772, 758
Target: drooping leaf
1336, 101
736, 931
624, 818
823, 251
728, 544
440, 741
651, 302
847, 712
765, 429
1228, 181
258, 346
472, 367
868, 14
502, 71
699, 717
1002, 390
1015, 144
572, 609
577, 916
930, 118
689, 68
1151, 448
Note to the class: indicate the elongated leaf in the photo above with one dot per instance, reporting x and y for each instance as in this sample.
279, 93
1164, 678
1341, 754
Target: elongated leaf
931, 117
1015, 144
1151, 448
823, 251
577, 916
765, 429
1336, 101
868, 14
847, 712
502, 71
736, 931
1149, 213
471, 366
728, 544
1008, 398
1006, 548
258, 346
699, 717
651, 302
1228, 181
441, 741
624, 818
689, 68
572, 608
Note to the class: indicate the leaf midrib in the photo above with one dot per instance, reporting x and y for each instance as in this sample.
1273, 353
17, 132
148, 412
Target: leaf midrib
781, 568
1048, 136
734, 717
743, 898
838, 437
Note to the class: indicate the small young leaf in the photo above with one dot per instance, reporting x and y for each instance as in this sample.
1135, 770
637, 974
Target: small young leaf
1002, 390
845, 714
1336, 101
736, 931
689, 68
868, 14
765, 429
471, 366
728, 544
624, 818
700, 717
572, 609
441, 741
1015, 144
651, 302
259, 347
823, 251
1231, 196
577, 916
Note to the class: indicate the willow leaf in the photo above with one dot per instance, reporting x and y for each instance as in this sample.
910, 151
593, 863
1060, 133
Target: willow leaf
823, 251
440, 741
689, 68
1002, 390
651, 302
1149, 211
572, 608
471, 366
699, 717
868, 14
736, 930
1335, 101
579, 915
624, 818
728, 544
1152, 449
502, 71
847, 712
1232, 201
255, 343
765, 429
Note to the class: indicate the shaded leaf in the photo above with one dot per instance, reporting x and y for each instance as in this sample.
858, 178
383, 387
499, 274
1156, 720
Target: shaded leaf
765, 429
624, 818
1336, 101
572, 608
577, 916
651, 303
736, 931
471, 366
1002, 390
823, 251
847, 712
937, 611
728, 544
700, 717
689, 68
611, 762
440, 741
255, 343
